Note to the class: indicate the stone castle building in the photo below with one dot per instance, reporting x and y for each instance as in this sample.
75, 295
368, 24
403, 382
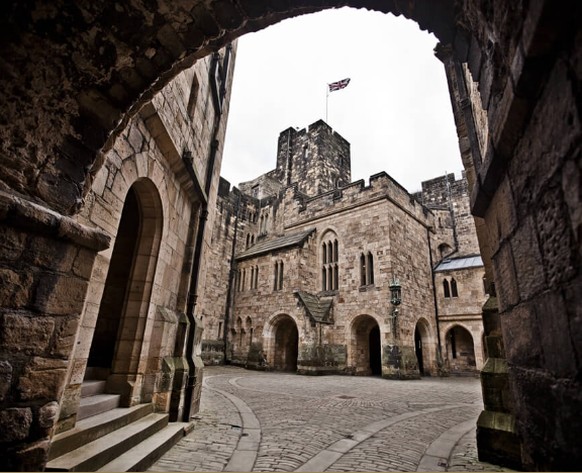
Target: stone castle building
306, 259
75, 75
138, 339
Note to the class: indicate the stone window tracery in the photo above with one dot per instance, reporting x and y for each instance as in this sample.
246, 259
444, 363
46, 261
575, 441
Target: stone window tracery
366, 269
278, 280
329, 263
446, 288
450, 289
254, 277
454, 292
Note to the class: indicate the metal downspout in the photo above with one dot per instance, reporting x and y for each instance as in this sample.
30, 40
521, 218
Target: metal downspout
231, 277
193, 288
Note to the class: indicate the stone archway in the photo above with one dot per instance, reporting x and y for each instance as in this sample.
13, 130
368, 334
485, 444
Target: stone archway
67, 94
460, 351
365, 348
285, 348
116, 347
424, 347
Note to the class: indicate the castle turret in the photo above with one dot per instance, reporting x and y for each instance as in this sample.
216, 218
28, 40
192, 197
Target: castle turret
316, 158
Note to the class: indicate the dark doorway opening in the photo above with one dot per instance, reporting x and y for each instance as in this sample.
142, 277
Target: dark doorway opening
114, 296
461, 351
418, 349
375, 351
286, 345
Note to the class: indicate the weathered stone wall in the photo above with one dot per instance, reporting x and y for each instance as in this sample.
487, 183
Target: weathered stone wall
316, 159
444, 194
465, 309
147, 157
73, 75
45, 269
381, 219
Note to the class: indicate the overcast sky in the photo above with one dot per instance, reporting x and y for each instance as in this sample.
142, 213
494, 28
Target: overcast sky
395, 112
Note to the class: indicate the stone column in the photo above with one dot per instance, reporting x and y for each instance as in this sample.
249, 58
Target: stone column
45, 264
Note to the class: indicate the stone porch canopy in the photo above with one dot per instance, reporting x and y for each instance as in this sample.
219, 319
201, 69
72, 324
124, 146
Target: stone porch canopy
318, 309
466, 262
294, 239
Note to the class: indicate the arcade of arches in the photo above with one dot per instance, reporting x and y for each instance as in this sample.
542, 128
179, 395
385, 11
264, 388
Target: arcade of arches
73, 78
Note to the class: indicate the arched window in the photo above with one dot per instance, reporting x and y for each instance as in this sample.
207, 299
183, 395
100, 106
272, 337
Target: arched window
370, 268
280, 275
252, 277
366, 269
278, 279
454, 292
244, 279
248, 239
256, 277
329, 263
252, 240
446, 288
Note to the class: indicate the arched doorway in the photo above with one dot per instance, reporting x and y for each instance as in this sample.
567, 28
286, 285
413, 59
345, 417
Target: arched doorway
286, 345
117, 342
461, 351
422, 347
375, 351
365, 346
418, 350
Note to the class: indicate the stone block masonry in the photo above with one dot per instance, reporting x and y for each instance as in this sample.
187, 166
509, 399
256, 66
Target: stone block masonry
358, 238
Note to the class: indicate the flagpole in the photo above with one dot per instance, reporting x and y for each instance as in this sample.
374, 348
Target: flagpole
326, 98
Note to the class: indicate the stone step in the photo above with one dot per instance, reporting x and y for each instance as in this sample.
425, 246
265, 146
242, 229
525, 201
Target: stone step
91, 387
92, 428
97, 404
146, 453
92, 456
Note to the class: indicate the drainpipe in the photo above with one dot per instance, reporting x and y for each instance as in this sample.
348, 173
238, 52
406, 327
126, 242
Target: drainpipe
231, 277
452, 214
193, 288
434, 296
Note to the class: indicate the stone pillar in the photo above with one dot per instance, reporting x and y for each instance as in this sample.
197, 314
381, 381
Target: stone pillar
45, 264
497, 438
196, 376
398, 360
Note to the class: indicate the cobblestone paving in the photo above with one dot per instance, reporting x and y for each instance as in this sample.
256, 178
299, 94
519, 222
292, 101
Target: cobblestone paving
329, 423
464, 456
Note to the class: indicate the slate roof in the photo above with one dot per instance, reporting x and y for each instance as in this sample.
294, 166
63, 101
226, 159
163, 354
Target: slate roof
459, 263
276, 244
318, 309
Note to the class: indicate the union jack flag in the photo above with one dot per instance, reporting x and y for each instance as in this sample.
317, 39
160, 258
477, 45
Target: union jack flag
340, 84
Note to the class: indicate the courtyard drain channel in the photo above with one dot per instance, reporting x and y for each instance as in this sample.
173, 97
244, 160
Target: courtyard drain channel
245, 454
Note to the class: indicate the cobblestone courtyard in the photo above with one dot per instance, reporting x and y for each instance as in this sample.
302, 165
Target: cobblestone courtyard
257, 421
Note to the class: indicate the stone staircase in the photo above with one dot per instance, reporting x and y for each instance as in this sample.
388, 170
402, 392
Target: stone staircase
110, 438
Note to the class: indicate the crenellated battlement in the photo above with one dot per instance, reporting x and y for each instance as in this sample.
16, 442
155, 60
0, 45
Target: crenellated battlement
381, 187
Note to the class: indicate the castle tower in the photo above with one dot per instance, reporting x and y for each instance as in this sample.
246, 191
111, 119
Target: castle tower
316, 158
